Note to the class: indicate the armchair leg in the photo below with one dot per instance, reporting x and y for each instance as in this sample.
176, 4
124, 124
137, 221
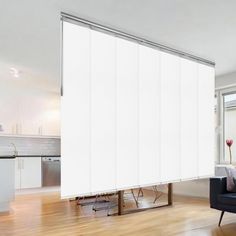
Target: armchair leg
221, 216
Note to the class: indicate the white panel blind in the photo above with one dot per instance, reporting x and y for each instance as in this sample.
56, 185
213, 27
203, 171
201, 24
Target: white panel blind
103, 108
131, 115
127, 114
189, 119
149, 122
206, 82
75, 105
170, 117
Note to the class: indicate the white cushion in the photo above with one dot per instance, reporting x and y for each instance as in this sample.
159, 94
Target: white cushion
231, 178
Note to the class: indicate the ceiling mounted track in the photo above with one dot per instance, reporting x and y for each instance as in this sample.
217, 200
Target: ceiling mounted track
118, 33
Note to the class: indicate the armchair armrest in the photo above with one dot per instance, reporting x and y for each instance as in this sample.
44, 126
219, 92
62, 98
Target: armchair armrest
217, 186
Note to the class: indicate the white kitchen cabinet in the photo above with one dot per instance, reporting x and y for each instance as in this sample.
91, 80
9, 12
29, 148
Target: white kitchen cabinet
29, 118
31, 172
50, 127
6, 183
8, 113
17, 173
40, 115
51, 115
30, 111
30, 115
28, 172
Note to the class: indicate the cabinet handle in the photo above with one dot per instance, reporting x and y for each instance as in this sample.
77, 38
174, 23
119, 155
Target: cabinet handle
40, 130
22, 166
16, 128
20, 129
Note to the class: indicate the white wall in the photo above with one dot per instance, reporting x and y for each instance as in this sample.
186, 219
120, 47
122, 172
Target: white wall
226, 80
30, 146
195, 188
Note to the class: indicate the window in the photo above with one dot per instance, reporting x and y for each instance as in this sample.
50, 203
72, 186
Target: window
229, 102
225, 114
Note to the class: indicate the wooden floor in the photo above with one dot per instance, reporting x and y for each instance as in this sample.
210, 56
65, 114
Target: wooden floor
46, 214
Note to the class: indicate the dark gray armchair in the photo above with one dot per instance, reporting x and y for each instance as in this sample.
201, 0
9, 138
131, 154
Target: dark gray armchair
220, 198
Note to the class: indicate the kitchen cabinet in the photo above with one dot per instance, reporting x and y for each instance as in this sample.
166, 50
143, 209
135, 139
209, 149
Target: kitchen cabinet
40, 116
51, 127
17, 173
31, 114
6, 183
8, 113
28, 172
51, 116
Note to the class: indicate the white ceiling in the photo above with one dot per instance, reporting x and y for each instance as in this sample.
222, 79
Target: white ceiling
30, 30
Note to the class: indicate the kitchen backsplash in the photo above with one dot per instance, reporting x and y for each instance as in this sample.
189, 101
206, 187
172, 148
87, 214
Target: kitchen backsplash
30, 146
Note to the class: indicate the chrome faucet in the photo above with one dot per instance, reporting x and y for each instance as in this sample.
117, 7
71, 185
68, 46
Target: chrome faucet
15, 150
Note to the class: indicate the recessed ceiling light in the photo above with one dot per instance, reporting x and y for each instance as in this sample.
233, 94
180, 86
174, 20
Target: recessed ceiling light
14, 72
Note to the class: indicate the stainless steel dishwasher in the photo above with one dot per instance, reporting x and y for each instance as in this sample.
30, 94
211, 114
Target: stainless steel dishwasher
51, 171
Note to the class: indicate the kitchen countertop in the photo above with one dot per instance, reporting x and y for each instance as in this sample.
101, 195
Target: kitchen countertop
13, 156
7, 157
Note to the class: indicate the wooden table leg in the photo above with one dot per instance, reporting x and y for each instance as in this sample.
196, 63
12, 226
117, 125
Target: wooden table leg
120, 202
170, 194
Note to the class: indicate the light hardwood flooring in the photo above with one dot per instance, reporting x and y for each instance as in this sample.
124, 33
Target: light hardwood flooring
46, 214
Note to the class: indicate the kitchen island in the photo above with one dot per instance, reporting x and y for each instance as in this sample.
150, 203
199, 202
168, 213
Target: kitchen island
7, 182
